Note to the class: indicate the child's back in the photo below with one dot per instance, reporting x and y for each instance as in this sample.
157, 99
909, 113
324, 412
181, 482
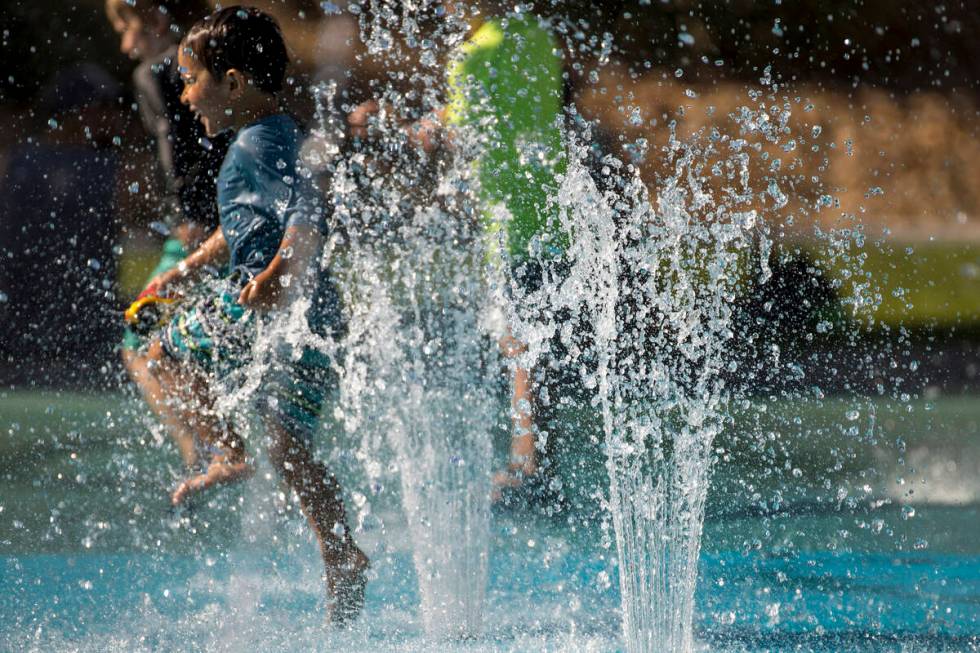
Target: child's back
261, 193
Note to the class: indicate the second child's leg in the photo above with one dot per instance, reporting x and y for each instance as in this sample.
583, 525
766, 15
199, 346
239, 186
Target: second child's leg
156, 398
137, 364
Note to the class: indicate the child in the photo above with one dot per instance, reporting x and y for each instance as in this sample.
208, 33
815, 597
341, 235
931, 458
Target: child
505, 82
148, 32
271, 233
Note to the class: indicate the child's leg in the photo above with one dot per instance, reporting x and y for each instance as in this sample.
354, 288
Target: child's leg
523, 453
295, 393
320, 497
137, 366
155, 397
188, 397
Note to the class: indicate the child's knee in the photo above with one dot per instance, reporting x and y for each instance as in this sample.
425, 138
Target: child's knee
135, 363
163, 367
155, 351
283, 452
511, 347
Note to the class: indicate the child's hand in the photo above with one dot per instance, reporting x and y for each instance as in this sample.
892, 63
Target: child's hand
262, 292
358, 118
163, 285
152, 290
425, 133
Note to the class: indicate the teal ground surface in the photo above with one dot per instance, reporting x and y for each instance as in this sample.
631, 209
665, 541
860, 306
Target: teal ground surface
826, 531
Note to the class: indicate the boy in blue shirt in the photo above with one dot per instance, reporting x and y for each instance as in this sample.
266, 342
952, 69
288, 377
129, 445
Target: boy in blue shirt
271, 236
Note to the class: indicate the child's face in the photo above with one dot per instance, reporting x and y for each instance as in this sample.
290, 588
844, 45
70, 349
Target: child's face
209, 98
137, 40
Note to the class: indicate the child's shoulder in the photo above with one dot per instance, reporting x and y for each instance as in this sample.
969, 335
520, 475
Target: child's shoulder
271, 144
277, 127
272, 133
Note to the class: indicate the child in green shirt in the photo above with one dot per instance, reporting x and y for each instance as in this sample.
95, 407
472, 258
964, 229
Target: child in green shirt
505, 82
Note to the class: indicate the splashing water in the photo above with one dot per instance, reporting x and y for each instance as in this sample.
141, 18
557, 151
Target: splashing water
644, 308
417, 381
657, 287
415, 372
648, 296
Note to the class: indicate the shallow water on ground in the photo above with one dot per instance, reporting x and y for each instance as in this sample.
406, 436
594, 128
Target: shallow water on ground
828, 553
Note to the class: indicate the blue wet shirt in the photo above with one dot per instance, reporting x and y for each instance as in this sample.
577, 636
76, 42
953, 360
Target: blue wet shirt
260, 195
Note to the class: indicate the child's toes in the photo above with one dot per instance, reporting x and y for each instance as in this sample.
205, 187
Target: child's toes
186, 488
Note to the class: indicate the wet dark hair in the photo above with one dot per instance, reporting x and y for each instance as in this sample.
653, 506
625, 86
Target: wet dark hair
244, 38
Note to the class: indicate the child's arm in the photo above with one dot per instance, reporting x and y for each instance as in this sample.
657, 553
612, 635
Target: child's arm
427, 133
287, 271
212, 251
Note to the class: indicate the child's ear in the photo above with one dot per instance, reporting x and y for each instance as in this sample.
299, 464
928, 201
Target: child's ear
236, 81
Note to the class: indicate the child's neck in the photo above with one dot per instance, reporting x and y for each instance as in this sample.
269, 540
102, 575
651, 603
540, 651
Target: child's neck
253, 106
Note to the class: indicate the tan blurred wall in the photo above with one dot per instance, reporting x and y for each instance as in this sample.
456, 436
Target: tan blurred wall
918, 149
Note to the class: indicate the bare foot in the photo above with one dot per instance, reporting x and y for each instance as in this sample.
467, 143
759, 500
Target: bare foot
220, 471
514, 476
346, 581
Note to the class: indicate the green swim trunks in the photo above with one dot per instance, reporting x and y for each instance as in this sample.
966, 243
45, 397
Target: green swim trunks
172, 254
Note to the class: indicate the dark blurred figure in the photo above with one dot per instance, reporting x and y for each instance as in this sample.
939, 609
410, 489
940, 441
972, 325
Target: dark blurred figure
188, 163
57, 230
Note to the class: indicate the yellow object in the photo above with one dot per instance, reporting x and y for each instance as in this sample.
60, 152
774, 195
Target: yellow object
136, 311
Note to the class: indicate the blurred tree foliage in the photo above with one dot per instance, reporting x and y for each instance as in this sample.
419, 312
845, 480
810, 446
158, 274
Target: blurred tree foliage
904, 45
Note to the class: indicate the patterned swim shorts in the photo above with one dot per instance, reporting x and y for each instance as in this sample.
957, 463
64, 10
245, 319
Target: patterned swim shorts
213, 331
